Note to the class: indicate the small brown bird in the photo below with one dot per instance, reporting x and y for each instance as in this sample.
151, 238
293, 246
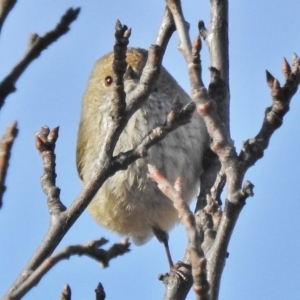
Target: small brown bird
128, 203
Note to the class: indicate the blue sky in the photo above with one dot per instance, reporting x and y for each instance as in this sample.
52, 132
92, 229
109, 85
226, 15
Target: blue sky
264, 258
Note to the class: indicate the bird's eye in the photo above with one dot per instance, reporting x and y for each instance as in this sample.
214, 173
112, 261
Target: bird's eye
108, 81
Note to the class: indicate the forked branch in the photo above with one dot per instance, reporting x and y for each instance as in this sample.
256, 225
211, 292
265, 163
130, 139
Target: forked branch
91, 249
36, 45
213, 105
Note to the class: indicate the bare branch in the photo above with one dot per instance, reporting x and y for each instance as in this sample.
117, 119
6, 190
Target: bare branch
148, 78
166, 30
253, 149
235, 167
5, 7
6, 144
90, 249
122, 34
36, 46
45, 143
221, 144
186, 217
217, 40
152, 67
213, 105
207, 107
182, 26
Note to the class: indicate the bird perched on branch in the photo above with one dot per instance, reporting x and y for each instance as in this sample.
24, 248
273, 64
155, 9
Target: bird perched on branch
128, 203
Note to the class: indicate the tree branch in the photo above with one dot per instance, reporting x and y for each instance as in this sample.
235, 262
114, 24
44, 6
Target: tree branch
6, 144
235, 168
207, 107
216, 38
90, 249
166, 29
253, 149
213, 106
5, 7
36, 45
186, 217
45, 143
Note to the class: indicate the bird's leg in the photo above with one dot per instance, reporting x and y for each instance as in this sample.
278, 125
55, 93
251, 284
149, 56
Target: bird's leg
163, 237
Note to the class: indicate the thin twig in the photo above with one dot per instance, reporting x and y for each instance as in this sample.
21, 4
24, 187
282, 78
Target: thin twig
148, 78
5, 7
90, 249
45, 143
253, 149
166, 29
122, 35
216, 38
36, 45
6, 144
187, 218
